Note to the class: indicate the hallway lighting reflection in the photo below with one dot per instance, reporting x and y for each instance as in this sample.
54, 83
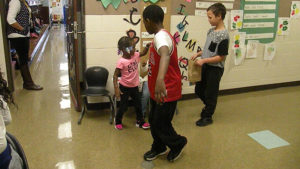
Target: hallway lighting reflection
65, 103
64, 80
65, 130
65, 165
63, 66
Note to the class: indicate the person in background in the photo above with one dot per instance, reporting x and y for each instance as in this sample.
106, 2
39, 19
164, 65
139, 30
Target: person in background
212, 61
18, 30
145, 95
164, 82
127, 67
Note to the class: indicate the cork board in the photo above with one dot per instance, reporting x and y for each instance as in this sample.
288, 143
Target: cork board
166, 23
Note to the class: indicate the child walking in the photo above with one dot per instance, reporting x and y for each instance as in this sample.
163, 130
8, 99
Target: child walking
212, 61
127, 67
164, 82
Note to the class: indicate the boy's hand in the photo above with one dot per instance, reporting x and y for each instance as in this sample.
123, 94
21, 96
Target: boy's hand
118, 93
160, 91
194, 56
200, 62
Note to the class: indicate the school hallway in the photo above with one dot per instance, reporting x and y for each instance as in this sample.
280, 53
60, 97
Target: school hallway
45, 122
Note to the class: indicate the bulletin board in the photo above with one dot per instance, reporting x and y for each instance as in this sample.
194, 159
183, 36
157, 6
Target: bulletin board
164, 4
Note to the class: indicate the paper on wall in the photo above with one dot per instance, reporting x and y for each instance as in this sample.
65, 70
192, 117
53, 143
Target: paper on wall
270, 51
252, 48
239, 39
283, 26
237, 19
295, 9
239, 55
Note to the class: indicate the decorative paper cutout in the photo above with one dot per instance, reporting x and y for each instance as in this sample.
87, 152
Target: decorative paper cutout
270, 51
283, 26
131, 19
188, 0
190, 46
252, 48
152, 1
237, 19
185, 36
295, 11
176, 37
132, 35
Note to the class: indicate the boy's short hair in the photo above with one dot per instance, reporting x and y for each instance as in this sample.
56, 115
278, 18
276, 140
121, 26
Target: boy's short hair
124, 42
218, 9
154, 13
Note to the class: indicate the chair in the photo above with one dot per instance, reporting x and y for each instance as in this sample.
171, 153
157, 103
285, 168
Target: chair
96, 78
12, 140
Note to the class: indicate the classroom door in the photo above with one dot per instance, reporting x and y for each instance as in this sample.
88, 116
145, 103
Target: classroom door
74, 48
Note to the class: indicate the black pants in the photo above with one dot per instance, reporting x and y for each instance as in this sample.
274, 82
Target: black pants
133, 92
162, 131
208, 88
22, 47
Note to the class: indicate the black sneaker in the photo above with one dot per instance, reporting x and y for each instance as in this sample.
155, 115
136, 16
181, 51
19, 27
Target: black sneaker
175, 153
204, 122
152, 154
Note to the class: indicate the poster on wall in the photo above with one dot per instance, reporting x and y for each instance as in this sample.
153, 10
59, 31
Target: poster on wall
283, 26
236, 19
270, 51
295, 9
260, 19
252, 49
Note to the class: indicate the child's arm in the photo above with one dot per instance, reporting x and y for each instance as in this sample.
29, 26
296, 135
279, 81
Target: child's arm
145, 51
215, 59
116, 86
198, 54
160, 88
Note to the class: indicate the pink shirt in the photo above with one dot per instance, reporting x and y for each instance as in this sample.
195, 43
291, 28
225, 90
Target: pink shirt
129, 70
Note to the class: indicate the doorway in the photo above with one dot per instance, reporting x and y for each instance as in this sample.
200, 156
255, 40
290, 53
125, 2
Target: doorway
75, 49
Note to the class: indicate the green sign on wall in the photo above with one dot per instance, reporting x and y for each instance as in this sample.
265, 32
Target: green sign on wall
260, 19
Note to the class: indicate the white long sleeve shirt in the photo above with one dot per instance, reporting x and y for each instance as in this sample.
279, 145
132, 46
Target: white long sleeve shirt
14, 9
5, 119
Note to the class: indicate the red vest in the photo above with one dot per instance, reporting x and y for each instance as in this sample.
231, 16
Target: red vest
173, 76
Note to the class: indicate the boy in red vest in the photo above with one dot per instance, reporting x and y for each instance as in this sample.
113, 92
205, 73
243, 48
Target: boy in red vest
164, 81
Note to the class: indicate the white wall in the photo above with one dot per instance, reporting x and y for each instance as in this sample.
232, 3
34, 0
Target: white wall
102, 35
2, 55
283, 68
103, 32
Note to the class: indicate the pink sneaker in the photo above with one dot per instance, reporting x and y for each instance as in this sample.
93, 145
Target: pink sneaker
145, 125
119, 126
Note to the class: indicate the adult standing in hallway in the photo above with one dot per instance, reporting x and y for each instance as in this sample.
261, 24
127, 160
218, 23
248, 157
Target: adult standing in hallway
19, 21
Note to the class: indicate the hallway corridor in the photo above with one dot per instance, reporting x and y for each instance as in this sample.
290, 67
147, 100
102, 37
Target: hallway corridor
45, 123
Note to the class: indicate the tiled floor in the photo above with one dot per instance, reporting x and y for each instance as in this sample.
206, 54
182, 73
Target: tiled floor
46, 125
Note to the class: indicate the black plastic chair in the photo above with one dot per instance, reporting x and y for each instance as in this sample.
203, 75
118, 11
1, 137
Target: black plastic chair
96, 79
12, 140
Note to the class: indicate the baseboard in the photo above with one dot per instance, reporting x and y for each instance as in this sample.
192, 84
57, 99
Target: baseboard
97, 106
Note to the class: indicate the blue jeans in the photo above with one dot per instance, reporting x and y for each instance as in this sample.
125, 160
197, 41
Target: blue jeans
145, 97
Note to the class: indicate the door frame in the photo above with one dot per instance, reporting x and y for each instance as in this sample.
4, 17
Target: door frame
79, 58
6, 48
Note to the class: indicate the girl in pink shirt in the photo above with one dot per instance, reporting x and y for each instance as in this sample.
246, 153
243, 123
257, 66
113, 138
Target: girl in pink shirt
127, 68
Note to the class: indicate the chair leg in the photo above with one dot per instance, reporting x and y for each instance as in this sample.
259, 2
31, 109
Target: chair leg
82, 112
